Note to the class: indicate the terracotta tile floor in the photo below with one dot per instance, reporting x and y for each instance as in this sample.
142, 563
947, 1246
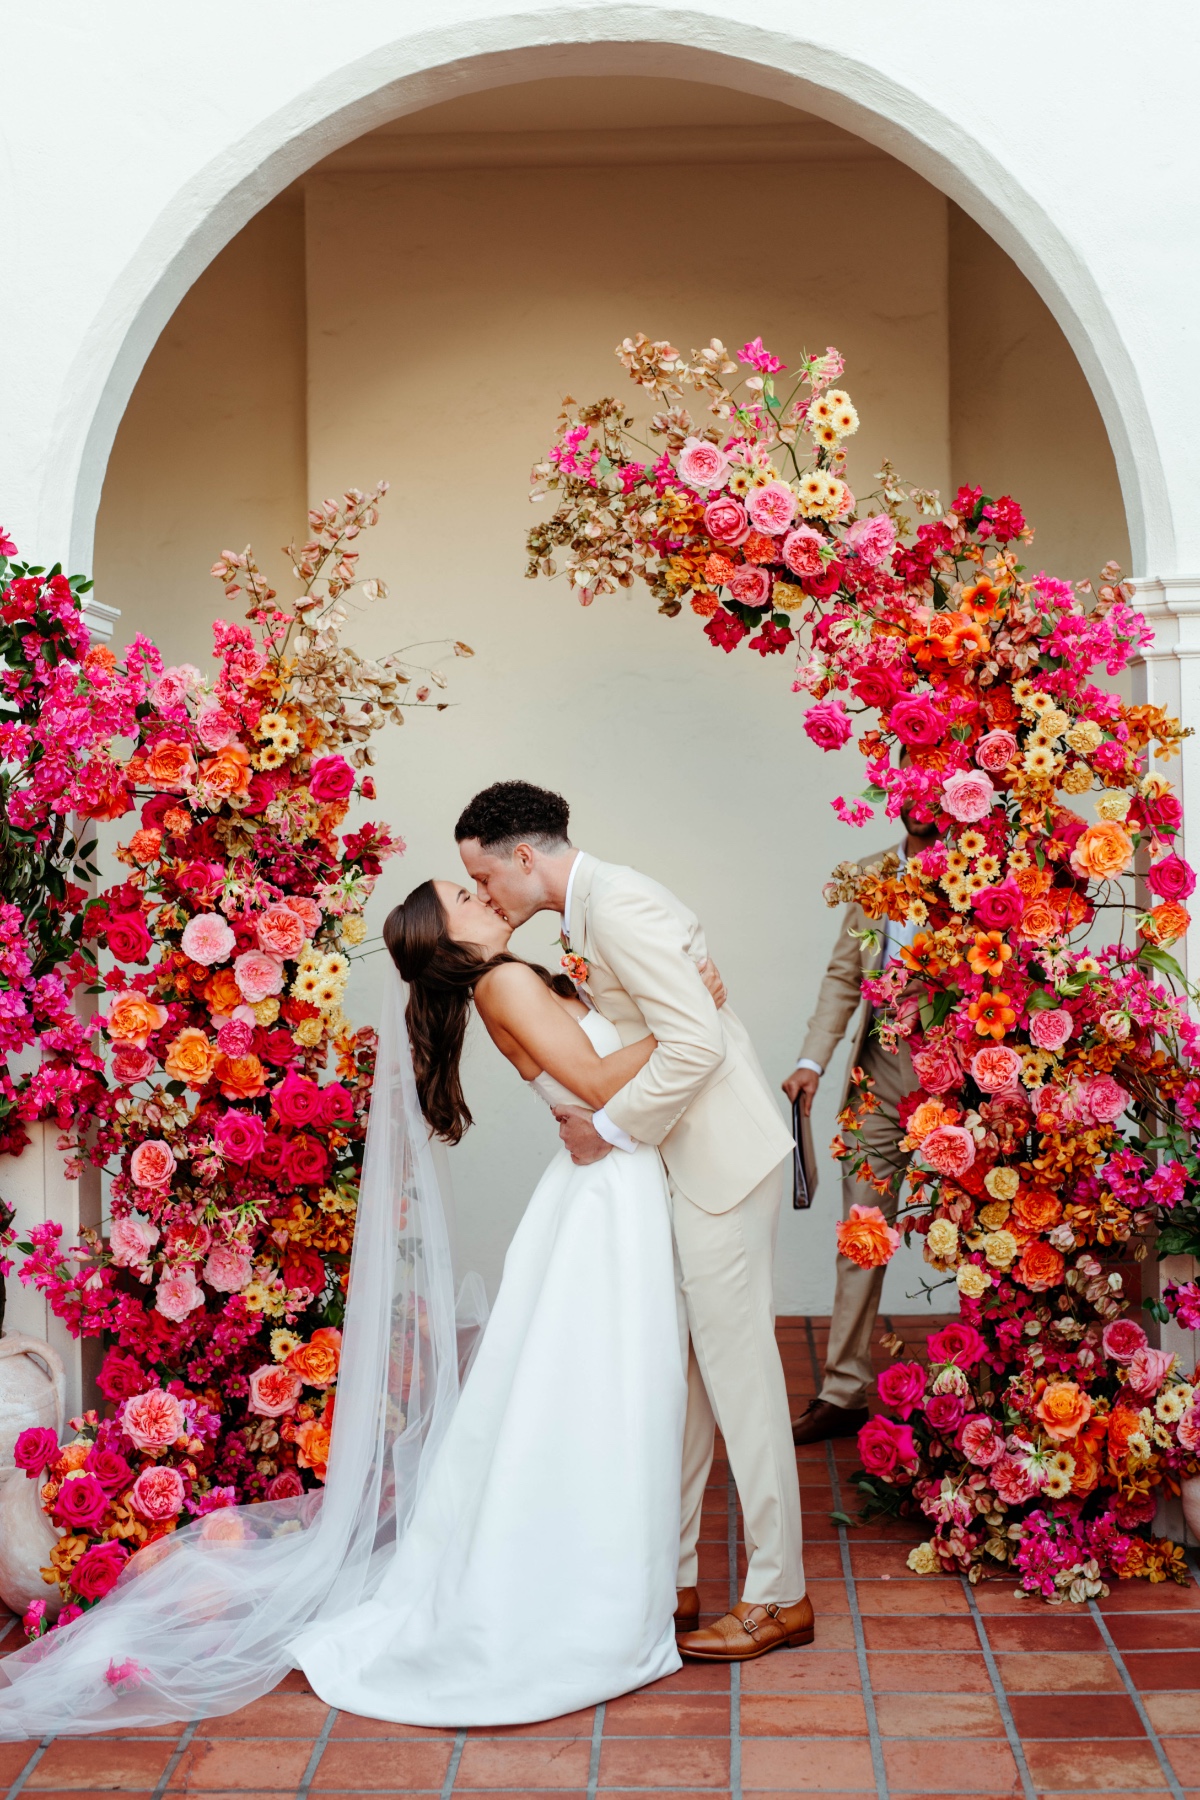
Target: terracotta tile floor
914, 1687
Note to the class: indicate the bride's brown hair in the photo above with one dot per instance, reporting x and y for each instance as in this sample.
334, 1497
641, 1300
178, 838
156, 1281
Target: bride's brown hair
442, 977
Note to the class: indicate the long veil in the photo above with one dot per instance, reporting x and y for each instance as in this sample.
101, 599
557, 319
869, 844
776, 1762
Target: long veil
200, 1622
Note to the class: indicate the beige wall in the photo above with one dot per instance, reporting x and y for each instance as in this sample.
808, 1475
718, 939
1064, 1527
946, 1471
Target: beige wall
442, 314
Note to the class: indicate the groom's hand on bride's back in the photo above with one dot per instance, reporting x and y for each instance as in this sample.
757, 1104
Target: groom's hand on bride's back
580, 1136
710, 975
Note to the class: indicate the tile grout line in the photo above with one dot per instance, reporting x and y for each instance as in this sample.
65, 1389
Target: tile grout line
30, 1766
174, 1760
593, 1765
1139, 1705
998, 1689
317, 1752
460, 1738
860, 1640
735, 1669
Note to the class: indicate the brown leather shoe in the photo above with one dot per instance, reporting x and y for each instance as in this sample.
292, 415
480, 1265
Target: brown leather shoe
749, 1631
687, 1609
822, 1420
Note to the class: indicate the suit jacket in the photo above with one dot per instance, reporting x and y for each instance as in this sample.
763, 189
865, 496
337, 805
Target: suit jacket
841, 993
702, 1098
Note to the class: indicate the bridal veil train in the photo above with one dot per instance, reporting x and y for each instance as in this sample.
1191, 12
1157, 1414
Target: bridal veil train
502, 1561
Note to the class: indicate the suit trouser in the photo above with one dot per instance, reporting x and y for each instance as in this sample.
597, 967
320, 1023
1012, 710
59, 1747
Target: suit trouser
848, 1375
735, 1380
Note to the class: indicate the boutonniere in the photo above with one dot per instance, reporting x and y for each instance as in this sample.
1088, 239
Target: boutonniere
576, 968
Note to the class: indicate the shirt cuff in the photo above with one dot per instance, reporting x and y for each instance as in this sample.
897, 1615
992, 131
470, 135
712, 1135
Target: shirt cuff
612, 1134
806, 1062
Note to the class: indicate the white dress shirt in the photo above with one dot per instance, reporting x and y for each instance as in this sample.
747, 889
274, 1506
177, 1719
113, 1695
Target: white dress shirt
601, 1123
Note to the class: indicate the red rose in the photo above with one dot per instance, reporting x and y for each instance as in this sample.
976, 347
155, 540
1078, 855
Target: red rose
127, 938
287, 1485
885, 1446
305, 1161
98, 1568
999, 908
81, 1504
335, 1104
277, 1047
110, 1470
958, 1343
303, 1269
297, 1100
879, 688
122, 1376
330, 778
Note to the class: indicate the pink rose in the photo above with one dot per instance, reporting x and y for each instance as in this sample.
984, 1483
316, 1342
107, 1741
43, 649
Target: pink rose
297, 1100
127, 938
1121, 1340
1148, 1369
874, 538
880, 688
287, 1485
236, 1036
158, 1494
901, 1387
945, 1413
306, 910
177, 1295
772, 508
330, 778
828, 724
1171, 878
1189, 1428
170, 690
802, 551
917, 721
1013, 1484
131, 1240
750, 585
129, 1064
208, 939
980, 1443
280, 931
1105, 1099
240, 1135
110, 1470
1001, 907
995, 751
34, 1449
215, 728
950, 1149
258, 976
995, 1068
938, 1069
274, 1390
152, 1420
886, 1448
81, 1503
956, 1342
97, 1570
152, 1163
701, 464
228, 1269
968, 796
725, 520
1050, 1029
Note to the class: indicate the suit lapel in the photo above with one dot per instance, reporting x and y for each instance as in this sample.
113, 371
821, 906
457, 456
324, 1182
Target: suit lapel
577, 923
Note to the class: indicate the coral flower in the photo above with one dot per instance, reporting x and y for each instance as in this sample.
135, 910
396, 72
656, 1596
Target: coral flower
132, 1018
988, 954
921, 957
1103, 851
867, 1238
992, 1014
312, 1447
1063, 1410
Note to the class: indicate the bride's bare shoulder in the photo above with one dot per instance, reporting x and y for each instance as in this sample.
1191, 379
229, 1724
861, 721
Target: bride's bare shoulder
507, 985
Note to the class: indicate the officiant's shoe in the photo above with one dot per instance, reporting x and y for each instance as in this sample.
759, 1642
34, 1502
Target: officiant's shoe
822, 1420
749, 1631
687, 1609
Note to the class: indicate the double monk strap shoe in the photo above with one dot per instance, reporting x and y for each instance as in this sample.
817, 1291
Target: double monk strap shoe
822, 1420
749, 1631
687, 1609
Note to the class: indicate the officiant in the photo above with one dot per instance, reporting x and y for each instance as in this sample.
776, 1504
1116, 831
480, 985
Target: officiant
840, 1408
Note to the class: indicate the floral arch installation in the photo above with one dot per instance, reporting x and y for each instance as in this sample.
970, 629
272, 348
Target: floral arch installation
1053, 1131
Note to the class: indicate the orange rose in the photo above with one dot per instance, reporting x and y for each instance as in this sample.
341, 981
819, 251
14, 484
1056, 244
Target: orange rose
867, 1238
228, 772
169, 764
1041, 1266
316, 1363
132, 1018
927, 1117
73, 1456
1036, 1210
1032, 881
191, 1057
1123, 1421
144, 845
240, 1077
1063, 1409
312, 1447
1103, 851
222, 992
1166, 923
1071, 908
1088, 1469
1039, 921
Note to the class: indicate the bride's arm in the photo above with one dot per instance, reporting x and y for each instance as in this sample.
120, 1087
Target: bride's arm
528, 1024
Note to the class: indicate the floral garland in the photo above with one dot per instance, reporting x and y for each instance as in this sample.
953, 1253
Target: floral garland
220, 1289
1054, 1127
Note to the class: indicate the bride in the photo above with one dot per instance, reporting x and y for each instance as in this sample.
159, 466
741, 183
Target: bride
496, 1557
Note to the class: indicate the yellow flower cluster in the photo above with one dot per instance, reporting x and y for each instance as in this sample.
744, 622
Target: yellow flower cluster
277, 741
321, 980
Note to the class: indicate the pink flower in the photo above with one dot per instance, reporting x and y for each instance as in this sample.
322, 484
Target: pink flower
1148, 1369
762, 360
1188, 1428
258, 976
129, 1064
297, 1100
956, 1342
950, 1149
158, 1493
980, 1443
772, 507
1121, 1340
215, 728
945, 1413
287, 1485
802, 551
34, 1449
306, 910
81, 1503
152, 1163
126, 937
968, 796
725, 520
152, 1420
874, 538
240, 1135
97, 1570
701, 464
274, 1390
828, 724
208, 939
996, 1068
1012, 1481
1050, 1029
901, 1387
995, 751
917, 721
1105, 1099
236, 1036
999, 908
750, 585
886, 1447
131, 1240
1171, 878
330, 778
938, 1069
177, 1295
229, 1268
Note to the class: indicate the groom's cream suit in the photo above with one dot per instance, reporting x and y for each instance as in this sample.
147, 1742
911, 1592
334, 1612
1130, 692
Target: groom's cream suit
703, 1100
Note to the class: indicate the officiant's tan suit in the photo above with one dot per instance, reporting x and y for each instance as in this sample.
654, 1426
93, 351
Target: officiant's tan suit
704, 1101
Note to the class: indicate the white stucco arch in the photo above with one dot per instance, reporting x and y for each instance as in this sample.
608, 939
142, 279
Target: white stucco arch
226, 176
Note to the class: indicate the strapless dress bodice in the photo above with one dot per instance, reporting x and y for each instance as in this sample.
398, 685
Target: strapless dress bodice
605, 1038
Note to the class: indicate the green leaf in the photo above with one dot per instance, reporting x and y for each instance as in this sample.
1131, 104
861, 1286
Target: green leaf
841, 1518
1156, 1309
872, 792
1164, 962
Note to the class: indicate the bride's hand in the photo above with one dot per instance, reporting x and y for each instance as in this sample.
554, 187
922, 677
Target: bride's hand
710, 975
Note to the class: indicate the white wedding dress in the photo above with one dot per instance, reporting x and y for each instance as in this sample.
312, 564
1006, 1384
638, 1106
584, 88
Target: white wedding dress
537, 1573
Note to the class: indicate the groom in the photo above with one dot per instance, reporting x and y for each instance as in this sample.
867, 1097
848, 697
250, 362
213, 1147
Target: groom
634, 949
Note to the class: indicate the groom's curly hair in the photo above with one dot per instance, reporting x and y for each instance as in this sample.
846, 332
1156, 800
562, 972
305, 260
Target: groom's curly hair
515, 812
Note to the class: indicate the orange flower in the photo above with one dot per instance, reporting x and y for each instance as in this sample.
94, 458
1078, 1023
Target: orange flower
992, 1014
144, 845
967, 641
169, 764
1088, 1468
1036, 1210
867, 1238
1071, 908
191, 1057
222, 992
1063, 1410
982, 600
312, 1447
132, 1018
1039, 921
928, 1117
1041, 1266
1123, 1421
240, 1077
988, 954
922, 956
1166, 923
1103, 851
1032, 881
228, 772
316, 1363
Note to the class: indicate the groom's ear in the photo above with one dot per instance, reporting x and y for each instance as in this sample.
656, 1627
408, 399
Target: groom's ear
524, 856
